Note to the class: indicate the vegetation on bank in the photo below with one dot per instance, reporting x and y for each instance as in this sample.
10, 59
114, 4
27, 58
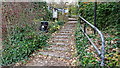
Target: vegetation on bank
108, 15
108, 18
22, 42
22, 35
86, 58
87, 53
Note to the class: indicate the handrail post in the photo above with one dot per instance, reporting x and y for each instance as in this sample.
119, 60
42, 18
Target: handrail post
85, 28
102, 52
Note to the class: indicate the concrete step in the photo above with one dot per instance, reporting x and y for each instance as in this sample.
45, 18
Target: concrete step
72, 22
62, 36
60, 40
58, 48
41, 62
69, 25
58, 54
68, 28
65, 31
61, 44
72, 19
65, 34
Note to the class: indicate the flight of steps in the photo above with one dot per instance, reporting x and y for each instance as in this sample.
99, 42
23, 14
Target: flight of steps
62, 51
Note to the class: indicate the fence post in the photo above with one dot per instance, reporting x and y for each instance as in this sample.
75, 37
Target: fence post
85, 28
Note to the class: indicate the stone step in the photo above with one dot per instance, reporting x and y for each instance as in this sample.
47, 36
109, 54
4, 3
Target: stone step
61, 36
59, 54
65, 31
65, 34
70, 25
58, 48
61, 40
64, 37
68, 28
74, 16
61, 44
42, 61
71, 19
71, 22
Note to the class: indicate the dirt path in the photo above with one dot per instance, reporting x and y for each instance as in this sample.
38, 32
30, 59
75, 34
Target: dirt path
61, 52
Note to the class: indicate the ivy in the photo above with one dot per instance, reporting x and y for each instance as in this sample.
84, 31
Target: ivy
108, 15
22, 42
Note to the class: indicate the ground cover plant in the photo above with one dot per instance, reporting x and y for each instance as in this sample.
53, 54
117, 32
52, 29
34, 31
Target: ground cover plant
108, 22
54, 26
88, 55
20, 28
21, 32
21, 43
108, 15
82, 44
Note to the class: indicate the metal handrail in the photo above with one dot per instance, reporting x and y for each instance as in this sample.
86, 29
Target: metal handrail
102, 52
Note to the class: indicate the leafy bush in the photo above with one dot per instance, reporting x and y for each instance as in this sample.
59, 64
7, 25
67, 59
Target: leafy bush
22, 39
42, 11
87, 54
53, 26
73, 10
17, 12
108, 15
21, 43
86, 58
60, 23
112, 52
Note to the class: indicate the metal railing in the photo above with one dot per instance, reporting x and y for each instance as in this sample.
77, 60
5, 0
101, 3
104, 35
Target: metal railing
102, 52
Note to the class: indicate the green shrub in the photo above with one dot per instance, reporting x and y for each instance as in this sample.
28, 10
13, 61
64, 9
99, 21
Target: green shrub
23, 40
60, 23
21, 43
85, 58
54, 26
108, 15
112, 48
